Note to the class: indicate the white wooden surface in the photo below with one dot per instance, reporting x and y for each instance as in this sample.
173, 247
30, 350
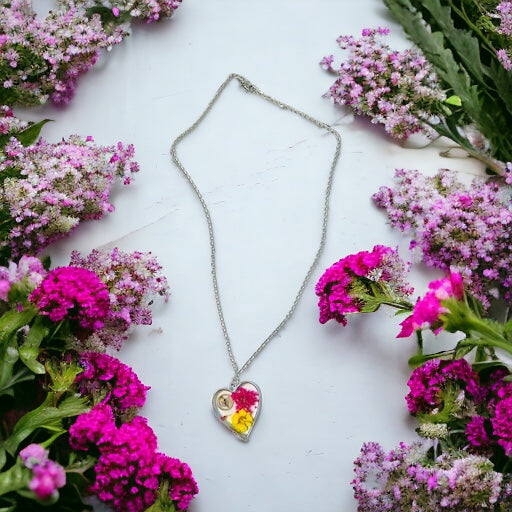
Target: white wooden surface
326, 389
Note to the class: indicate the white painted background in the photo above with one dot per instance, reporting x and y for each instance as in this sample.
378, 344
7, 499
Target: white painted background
326, 389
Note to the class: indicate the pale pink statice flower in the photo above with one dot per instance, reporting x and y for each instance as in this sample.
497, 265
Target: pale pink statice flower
43, 57
146, 10
427, 310
50, 188
47, 475
456, 226
399, 90
503, 14
133, 280
406, 479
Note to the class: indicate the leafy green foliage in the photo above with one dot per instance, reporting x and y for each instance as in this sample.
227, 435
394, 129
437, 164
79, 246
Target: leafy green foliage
463, 57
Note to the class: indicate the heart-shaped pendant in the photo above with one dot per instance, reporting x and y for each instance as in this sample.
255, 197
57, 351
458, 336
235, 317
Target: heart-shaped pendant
237, 410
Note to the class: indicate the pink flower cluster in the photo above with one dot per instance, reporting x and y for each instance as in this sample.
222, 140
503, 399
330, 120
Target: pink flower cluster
147, 10
429, 308
44, 57
336, 287
74, 294
406, 479
50, 188
28, 270
399, 90
133, 279
430, 383
459, 227
48, 476
109, 380
129, 470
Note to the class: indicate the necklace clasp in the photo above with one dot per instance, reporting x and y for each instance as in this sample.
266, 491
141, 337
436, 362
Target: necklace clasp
246, 84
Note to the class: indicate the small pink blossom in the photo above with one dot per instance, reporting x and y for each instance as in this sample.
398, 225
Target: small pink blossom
48, 475
428, 309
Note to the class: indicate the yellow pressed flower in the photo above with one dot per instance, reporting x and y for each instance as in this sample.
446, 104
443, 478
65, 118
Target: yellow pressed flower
242, 421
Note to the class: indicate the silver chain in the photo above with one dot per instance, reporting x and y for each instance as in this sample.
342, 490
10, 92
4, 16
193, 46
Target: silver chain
250, 87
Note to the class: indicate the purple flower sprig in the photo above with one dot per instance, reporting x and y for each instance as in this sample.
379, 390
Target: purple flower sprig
399, 90
409, 479
455, 226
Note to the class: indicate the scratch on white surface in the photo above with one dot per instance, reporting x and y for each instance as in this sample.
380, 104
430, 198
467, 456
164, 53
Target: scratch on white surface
133, 231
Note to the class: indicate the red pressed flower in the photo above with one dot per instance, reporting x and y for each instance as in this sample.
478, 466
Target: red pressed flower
244, 398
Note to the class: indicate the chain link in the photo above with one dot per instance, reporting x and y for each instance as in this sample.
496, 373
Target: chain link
251, 88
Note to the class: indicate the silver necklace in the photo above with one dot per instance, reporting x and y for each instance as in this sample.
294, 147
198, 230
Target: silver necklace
238, 406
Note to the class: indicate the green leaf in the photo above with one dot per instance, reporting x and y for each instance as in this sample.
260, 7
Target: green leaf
419, 359
13, 320
22, 375
30, 134
3, 456
29, 350
454, 100
15, 478
46, 417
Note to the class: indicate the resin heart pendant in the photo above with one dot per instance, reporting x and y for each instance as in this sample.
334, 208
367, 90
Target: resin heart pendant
237, 410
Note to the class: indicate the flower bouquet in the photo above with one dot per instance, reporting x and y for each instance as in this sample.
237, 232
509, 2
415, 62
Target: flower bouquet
455, 84
69, 422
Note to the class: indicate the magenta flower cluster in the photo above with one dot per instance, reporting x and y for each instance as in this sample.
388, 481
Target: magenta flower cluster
107, 380
457, 227
130, 470
50, 188
399, 90
429, 385
41, 58
48, 475
74, 294
133, 280
405, 480
427, 310
338, 289
450, 391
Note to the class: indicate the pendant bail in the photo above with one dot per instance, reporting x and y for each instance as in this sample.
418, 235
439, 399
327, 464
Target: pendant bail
235, 382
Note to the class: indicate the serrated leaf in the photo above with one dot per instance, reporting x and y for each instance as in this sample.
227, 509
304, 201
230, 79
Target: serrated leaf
462, 41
